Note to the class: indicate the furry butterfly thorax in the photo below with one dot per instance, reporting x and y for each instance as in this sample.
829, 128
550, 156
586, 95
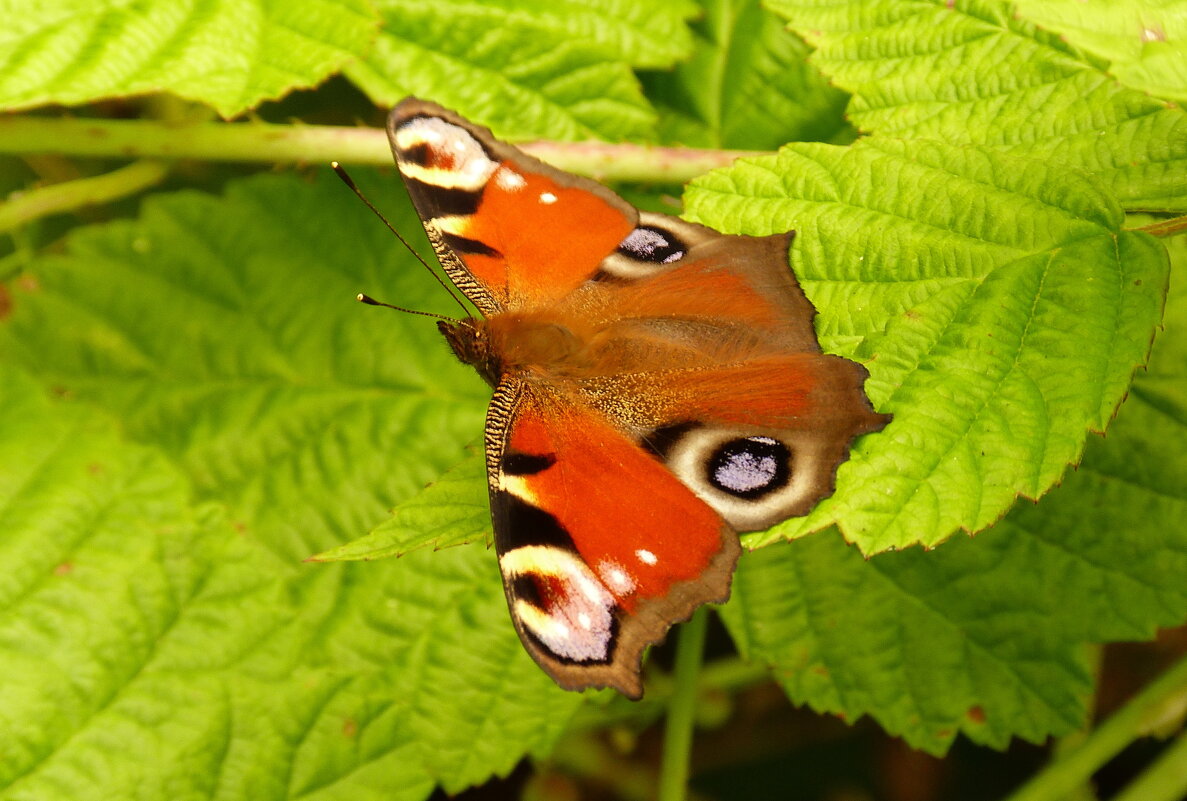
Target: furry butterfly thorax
658, 388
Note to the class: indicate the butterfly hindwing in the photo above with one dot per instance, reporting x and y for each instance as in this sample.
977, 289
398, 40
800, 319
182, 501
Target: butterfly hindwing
601, 548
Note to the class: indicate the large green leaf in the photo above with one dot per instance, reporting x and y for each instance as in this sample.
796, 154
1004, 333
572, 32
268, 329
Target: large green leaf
999, 306
984, 636
527, 76
270, 375
644, 33
1143, 40
747, 86
147, 650
224, 332
453, 510
231, 54
972, 71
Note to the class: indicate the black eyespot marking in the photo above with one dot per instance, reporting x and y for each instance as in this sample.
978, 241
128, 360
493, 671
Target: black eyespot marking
420, 154
527, 464
461, 244
526, 587
750, 467
661, 441
647, 243
441, 201
523, 524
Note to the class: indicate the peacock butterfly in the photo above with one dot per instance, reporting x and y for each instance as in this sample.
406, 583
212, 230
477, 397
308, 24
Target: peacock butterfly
658, 388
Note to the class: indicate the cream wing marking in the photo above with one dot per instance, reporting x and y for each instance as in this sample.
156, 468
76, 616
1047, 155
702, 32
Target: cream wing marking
576, 620
442, 154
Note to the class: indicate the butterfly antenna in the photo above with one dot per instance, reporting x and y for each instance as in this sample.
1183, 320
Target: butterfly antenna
340, 171
370, 301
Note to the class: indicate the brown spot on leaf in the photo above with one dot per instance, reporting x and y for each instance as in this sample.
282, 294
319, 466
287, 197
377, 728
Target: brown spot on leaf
64, 569
975, 715
350, 728
5, 302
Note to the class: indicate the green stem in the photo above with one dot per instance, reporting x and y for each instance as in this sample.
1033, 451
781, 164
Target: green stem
733, 674
1069, 743
673, 777
319, 144
1160, 699
31, 204
1166, 228
1165, 780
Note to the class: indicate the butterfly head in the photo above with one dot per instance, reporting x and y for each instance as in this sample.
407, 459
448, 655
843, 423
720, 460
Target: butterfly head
470, 342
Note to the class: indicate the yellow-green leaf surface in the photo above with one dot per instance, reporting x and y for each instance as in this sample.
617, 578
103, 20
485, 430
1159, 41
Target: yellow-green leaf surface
453, 510
223, 332
552, 74
148, 650
984, 636
1145, 41
998, 304
976, 71
230, 54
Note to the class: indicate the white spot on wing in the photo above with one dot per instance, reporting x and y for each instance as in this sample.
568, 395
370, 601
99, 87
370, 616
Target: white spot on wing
646, 556
614, 577
547, 198
509, 180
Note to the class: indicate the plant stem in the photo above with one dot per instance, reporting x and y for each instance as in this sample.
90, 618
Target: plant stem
1164, 697
31, 204
1166, 228
1165, 780
673, 777
268, 144
1069, 743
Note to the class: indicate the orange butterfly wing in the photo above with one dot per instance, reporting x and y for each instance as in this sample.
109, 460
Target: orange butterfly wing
601, 548
510, 231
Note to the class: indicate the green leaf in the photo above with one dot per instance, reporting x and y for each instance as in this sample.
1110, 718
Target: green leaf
643, 33
526, 76
748, 85
453, 510
147, 649
1142, 39
970, 71
985, 636
231, 55
999, 306
275, 391
306, 416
